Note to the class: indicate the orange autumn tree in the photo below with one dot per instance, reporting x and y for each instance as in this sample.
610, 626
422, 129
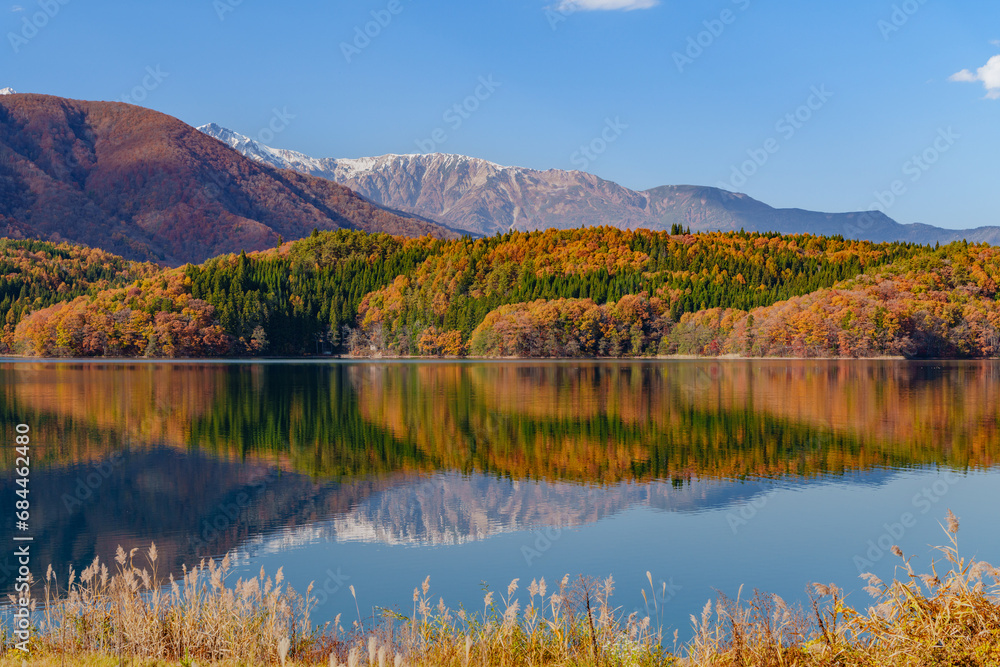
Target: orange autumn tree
434, 343
155, 317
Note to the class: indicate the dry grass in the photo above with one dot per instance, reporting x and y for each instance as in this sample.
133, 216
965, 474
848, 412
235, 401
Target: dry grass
947, 618
131, 613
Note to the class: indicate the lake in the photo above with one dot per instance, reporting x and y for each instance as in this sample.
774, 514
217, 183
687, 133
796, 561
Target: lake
707, 474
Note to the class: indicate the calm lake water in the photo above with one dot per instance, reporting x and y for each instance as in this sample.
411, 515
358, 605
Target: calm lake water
709, 475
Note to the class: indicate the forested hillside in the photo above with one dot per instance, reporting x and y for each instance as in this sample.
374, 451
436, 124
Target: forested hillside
639, 280
585, 292
147, 186
943, 303
36, 274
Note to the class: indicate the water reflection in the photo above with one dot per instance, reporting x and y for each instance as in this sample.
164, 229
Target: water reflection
212, 458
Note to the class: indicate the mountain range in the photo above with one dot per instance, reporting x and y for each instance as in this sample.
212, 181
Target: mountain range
479, 197
147, 186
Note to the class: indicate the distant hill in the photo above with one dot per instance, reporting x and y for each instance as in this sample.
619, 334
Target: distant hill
589, 292
481, 197
146, 186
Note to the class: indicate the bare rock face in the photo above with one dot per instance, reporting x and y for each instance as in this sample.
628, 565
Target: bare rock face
479, 197
464, 193
482, 197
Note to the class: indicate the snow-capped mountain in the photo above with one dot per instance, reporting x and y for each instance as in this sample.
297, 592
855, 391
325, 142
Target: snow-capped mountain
466, 193
7, 91
481, 197
276, 157
61, 180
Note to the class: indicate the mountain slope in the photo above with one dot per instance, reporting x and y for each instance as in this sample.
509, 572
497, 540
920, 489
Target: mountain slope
592, 292
482, 197
147, 186
466, 193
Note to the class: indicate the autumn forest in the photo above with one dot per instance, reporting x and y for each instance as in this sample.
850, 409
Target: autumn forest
592, 292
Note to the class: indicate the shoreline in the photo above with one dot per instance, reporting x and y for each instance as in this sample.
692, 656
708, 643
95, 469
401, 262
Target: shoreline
952, 617
12, 358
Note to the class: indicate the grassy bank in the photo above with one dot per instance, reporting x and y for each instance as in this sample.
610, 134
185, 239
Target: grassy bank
126, 615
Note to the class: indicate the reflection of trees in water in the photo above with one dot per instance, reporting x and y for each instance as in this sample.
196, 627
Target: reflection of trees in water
375, 448
193, 505
597, 422
604, 422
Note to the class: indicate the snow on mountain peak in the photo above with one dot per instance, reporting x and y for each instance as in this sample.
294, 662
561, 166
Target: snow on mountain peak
7, 91
336, 169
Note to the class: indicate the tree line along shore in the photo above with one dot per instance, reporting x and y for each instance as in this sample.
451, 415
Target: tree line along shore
592, 292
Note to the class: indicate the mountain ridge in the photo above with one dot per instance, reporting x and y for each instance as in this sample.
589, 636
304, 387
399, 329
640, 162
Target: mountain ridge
482, 197
147, 186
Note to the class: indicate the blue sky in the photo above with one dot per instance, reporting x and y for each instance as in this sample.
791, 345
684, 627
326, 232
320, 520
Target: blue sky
825, 106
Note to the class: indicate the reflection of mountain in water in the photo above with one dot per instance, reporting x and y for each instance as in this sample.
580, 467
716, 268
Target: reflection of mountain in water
195, 505
191, 504
449, 508
217, 456
452, 509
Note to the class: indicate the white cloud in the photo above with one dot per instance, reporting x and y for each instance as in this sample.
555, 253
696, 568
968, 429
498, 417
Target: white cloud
995, 42
16, 8
988, 74
594, 5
